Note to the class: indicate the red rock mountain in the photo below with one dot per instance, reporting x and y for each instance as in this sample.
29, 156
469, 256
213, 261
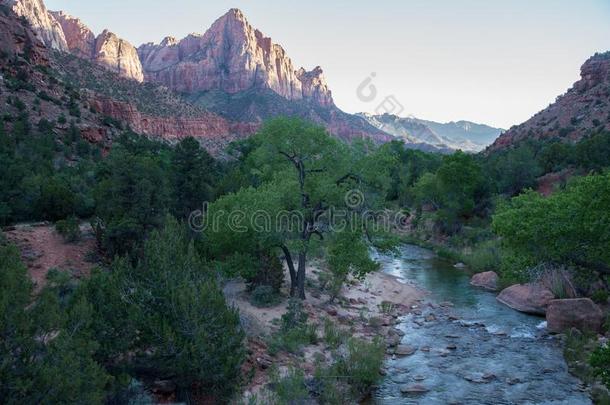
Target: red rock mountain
583, 109
16, 40
232, 70
232, 57
60, 31
106, 49
42, 22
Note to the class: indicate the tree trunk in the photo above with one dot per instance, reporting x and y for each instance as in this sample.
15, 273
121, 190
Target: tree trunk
291, 270
301, 274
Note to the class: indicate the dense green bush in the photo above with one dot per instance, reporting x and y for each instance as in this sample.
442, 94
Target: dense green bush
569, 227
69, 228
47, 348
485, 256
600, 360
294, 331
169, 312
264, 296
290, 388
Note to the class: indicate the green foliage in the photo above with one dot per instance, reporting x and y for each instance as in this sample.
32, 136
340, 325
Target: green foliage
571, 226
69, 228
457, 191
362, 363
46, 347
299, 174
406, 167
600, 361
514, 169
593, 153
485, 256
131, 198
334, 336
289, 389
175, 319
358, 368
193, 177
264, 296
42, 178
294, 331
348, 254
600, 296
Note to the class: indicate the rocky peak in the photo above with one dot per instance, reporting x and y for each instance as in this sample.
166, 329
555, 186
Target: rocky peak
232, 56
107, 49
118, 55
59, 30
80, 39
169, 41
42, 22
594, 71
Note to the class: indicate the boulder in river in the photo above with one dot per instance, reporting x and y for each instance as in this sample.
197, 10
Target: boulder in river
404, 350
580, 313
414, 389
486, 279
531, 298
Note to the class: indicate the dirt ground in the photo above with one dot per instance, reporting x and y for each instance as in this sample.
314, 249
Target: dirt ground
43, 249
359, 302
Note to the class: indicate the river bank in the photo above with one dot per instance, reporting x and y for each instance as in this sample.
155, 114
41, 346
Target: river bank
366, 309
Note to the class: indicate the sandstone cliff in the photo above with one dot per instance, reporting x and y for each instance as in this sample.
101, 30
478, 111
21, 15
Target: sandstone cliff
583, 109
42, 22
60, 31
19, 42
79, 38
232, 57
107, 49
118, 55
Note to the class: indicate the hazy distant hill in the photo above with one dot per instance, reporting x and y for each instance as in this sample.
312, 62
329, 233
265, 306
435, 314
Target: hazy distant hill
464, 135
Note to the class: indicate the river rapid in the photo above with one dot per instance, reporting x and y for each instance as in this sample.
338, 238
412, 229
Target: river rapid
470, 349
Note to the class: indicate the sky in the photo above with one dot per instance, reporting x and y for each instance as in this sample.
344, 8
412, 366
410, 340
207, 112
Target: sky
488, 61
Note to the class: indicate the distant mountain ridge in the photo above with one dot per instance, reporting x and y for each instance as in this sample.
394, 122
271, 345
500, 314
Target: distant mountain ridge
464, 135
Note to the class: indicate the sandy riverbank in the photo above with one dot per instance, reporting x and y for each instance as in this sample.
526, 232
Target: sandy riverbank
365, 309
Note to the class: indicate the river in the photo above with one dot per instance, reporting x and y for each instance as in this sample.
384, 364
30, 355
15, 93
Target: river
474, 350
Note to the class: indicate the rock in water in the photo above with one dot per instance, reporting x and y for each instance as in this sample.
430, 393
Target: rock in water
531, 298
487, 280
414, 389
580, 313
404, 350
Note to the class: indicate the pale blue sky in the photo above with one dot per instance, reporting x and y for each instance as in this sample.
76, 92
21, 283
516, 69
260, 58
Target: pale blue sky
496, 62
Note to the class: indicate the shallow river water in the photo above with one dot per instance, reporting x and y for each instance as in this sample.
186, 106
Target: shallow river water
475, 351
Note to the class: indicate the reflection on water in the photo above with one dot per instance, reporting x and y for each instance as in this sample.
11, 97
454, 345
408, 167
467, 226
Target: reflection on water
477, 351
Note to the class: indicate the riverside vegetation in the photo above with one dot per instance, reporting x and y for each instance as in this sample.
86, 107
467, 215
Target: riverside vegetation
154, 309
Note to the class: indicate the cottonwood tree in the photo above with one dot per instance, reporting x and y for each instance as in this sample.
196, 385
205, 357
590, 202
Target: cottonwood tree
305, 178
